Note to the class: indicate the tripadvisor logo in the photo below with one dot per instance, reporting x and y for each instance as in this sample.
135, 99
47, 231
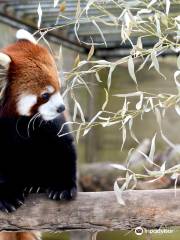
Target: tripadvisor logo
139, 231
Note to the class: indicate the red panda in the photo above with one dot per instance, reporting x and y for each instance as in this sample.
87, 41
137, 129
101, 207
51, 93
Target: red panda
33, 156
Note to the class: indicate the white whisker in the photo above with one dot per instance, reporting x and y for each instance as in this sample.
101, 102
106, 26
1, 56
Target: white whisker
28, 127
18, 130
37, 115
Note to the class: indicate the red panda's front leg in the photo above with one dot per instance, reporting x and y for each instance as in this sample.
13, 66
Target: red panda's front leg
11, 195
63, 181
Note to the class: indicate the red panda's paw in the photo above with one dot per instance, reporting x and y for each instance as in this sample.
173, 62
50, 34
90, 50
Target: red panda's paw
33, 189
10, 204
66, 194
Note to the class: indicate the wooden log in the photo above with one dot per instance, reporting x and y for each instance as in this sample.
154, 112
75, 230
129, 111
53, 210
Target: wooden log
91, 179
96, 211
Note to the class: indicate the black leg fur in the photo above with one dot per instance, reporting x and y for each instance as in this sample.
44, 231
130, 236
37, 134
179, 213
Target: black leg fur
41, 162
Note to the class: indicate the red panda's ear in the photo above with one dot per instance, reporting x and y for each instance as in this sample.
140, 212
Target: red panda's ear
4, 60
25, 35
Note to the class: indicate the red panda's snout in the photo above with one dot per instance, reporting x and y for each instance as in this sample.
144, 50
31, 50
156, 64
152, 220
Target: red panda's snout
33, 85
52, 108
49, 105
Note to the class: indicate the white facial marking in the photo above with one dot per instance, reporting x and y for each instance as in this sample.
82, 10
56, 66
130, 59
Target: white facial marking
23, 34
50, 89
25, 103
48, 110
4, 60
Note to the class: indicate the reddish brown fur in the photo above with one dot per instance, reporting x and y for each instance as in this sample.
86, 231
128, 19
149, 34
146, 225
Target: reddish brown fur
32, 69
19, 235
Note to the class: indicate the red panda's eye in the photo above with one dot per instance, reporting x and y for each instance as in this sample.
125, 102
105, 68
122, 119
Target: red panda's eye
45, 96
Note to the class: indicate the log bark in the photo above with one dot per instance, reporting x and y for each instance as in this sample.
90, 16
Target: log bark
96, 211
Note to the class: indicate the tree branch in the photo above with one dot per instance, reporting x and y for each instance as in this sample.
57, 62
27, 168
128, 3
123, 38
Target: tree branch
96, 212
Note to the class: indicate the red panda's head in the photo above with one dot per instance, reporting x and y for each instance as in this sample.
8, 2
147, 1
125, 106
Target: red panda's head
29, 80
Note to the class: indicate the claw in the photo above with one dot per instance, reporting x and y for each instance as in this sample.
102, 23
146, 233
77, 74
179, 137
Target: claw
64, 195
5, 210
61, 196
30, 190
51, 194
55, 196
19, 202
12, 208
73, 192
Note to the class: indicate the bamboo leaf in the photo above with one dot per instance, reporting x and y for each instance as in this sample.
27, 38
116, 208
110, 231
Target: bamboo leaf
98, 77
152, 150
89, 124
39, 11
176, 74
151, 3
56, 3
154, 60
89, 3
168, 3
177, 108
62, 6
100, 31
158, 117
158, 28
123, 136
80, 110
109, 80
75, 112
78, 9
91, 52
144, 11
163, 167
94, 118
124, 109
133, 94
131, 69
146, 157
139, 104
106, 101
119, 166
78, 133
143, 64
118, 192
76, 61
178, 62
86, 131
131, 131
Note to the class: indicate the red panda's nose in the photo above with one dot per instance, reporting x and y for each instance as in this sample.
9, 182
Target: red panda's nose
61, 108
